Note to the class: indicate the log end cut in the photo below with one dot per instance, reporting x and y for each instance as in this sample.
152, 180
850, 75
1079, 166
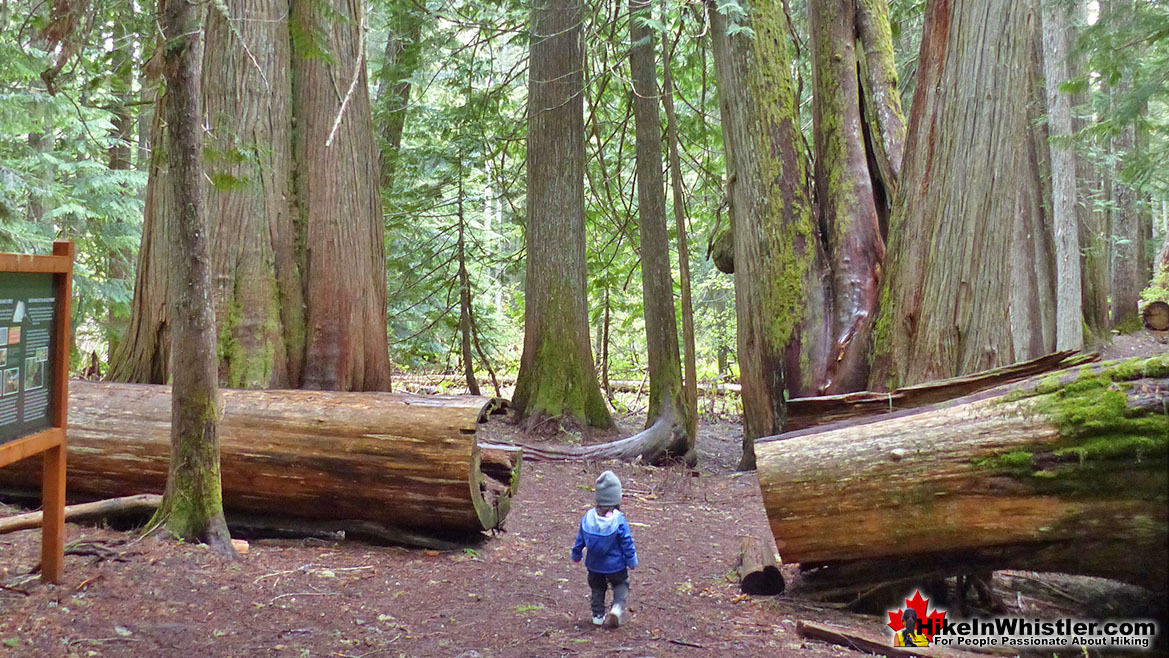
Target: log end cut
1156, 316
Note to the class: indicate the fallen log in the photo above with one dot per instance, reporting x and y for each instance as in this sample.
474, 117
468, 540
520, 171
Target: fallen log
394, 460
663, 441
803, 413
758, 573
1156, 316
97, 509
1068, 472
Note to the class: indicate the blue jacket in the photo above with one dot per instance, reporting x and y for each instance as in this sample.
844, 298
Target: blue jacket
608, 540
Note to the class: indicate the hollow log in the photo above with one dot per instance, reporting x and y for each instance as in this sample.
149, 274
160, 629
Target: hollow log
395, 460
758, 573
1067, 472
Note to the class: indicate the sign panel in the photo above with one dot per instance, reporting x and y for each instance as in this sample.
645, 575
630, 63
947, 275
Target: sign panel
28, 306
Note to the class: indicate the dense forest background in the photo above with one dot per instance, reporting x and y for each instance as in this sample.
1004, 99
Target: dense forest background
448, 87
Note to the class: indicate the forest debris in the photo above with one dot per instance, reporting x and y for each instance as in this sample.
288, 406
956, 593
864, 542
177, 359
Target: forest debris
869, 643
97, 509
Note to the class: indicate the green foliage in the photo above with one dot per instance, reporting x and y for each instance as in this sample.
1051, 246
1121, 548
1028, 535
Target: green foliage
55, 179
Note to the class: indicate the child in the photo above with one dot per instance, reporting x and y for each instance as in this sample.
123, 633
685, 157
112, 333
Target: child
604, 532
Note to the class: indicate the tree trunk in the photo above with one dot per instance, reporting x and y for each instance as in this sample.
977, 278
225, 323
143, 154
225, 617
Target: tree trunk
296, 226
120, 158
464, 295
1069, 323
667, 398
556, 380
845, 193
1032, 287
259, 299
778, 262
403, 48
690, 366
192, 504
1093, 222
946, 309
884, 117
298, 454
1064, 472
336, 184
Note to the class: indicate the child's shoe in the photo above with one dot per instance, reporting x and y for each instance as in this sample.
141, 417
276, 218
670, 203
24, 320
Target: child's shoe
615, 617
598, 620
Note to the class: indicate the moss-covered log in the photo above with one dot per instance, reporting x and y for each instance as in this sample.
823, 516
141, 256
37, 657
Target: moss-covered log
399, 461
1065, 472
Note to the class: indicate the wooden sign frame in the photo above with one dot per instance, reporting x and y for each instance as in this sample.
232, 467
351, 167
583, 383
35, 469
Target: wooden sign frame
50, 441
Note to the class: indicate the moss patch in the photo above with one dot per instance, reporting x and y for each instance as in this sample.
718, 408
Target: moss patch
1101, 434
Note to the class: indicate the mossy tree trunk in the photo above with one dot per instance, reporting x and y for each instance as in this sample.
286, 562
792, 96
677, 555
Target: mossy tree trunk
192, 505
779, 264
850, 190
1064, 472
947, 302
291, 229
884, 116
556, 380
667, 397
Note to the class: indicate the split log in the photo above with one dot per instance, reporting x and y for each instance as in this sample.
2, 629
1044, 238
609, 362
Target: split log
396, 460
808, 412
95, 510
758, 573
1067, 472
1156, 316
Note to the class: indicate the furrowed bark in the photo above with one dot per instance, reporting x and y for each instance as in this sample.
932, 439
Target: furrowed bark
344, 233
946, 304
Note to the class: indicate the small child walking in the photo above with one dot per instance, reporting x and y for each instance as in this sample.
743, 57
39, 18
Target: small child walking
607, 544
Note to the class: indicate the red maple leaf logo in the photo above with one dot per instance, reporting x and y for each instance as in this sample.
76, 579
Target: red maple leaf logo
931, 622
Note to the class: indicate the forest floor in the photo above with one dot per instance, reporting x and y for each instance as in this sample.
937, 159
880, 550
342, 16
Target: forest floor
515, 594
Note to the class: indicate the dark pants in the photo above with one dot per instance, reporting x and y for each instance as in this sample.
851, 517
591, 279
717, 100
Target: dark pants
600, 582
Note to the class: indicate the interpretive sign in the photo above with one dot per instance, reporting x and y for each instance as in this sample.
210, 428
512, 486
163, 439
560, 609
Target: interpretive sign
27, 308
35, 305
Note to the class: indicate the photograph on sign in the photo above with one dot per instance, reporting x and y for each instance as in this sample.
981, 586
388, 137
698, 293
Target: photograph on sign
11, 381
34, 373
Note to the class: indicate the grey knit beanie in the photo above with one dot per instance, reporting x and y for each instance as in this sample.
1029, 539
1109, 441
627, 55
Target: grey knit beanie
608, 489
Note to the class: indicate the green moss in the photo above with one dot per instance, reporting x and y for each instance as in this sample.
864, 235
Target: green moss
1130, 324
1099, 432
